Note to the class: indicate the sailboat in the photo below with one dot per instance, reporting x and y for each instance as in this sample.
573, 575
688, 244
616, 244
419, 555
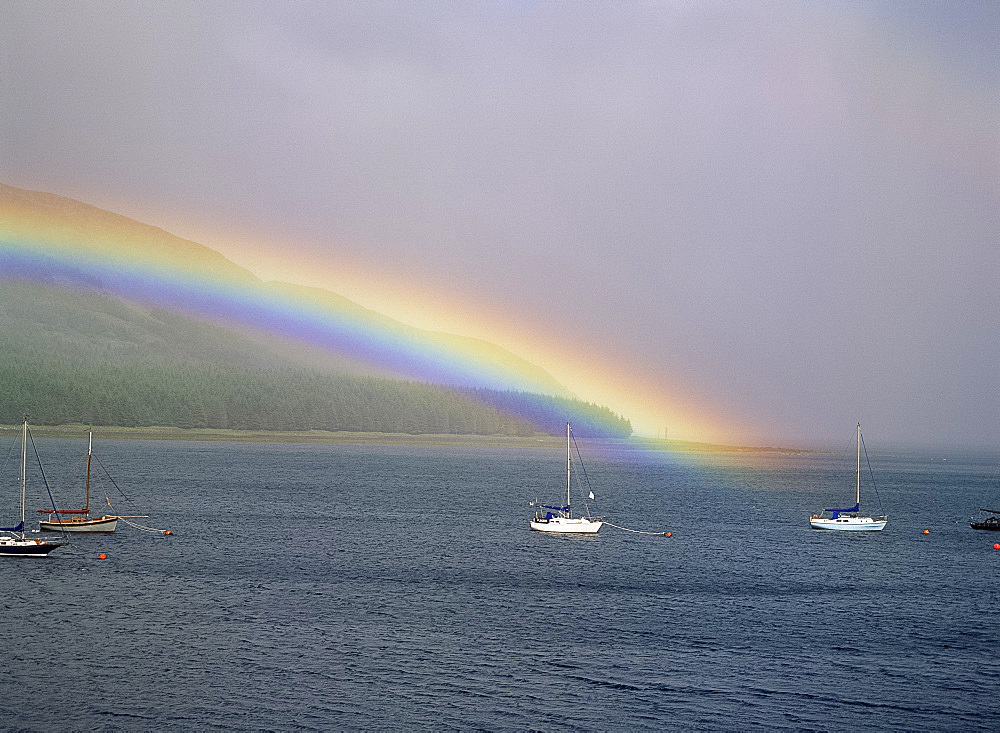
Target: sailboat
991, 522
850, 519
559, 519
79, 520
20, 546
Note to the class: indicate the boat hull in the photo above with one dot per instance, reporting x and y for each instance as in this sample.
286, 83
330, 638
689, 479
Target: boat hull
848, 524
15, 547
564, 525
990, 523
105, 524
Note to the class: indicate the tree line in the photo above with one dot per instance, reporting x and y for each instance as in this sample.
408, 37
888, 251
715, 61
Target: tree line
70, 356
237, 397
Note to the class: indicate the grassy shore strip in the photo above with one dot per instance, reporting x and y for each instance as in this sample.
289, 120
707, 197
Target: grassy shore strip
538, 440
106, 432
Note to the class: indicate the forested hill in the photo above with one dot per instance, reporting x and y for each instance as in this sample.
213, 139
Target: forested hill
68, 356
89, 336
70, 245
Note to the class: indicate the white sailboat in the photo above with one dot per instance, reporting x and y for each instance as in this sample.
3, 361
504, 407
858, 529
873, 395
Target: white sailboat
79, 520
16, 544
559, 519
850, 519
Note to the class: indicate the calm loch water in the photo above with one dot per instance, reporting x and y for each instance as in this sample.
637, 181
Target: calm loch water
328, 587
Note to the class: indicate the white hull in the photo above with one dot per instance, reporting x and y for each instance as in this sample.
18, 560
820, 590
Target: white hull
848, 524
849, 520
564, 525
559, 520
104, 525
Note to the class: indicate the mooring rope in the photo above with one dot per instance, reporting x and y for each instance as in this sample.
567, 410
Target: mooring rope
590, 489
637, 531
144, 528
135, 524
128, 500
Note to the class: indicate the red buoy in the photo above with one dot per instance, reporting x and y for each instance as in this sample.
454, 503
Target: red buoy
996, 546
927, 531
667, 534
102, 556
167, 531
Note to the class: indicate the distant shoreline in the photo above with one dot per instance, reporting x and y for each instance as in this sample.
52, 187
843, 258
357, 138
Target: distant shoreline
539, 440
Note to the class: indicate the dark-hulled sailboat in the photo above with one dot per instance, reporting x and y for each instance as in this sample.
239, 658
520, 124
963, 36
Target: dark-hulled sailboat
991, 522
16, 544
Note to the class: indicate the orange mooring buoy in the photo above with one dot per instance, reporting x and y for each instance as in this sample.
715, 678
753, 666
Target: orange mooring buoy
102, 556
167, 531
667, 534
996, 546
927, 531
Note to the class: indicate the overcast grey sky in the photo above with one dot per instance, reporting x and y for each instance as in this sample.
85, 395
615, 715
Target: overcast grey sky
778, 218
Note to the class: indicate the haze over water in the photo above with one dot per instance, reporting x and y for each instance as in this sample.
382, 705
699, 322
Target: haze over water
318, 587
752, 223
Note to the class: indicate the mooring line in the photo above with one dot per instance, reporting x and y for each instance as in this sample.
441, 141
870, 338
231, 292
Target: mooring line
147, 529
132, 524
637, 531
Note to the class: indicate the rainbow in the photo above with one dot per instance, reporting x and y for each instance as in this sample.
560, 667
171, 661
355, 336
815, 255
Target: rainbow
42, 235
62, 242
57, 240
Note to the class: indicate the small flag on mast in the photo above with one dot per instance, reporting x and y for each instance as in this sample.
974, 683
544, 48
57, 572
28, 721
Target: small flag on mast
592, 495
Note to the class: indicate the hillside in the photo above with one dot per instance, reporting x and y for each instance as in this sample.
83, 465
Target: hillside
75, 348
73, 357
60, 242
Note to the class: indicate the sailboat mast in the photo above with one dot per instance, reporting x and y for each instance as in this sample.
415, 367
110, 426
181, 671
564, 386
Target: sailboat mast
857, 481
24, 471
90, 446
567, 466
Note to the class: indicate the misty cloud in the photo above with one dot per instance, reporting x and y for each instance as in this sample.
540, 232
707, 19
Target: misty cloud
789, 211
